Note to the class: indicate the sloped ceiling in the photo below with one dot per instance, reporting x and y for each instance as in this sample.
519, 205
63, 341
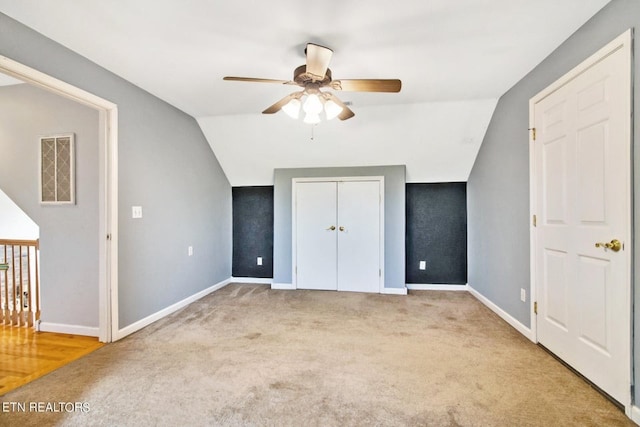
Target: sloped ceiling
9, 81
415, 135
455, 59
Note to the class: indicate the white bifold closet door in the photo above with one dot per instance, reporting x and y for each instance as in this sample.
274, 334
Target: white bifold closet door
338, 235
316, 246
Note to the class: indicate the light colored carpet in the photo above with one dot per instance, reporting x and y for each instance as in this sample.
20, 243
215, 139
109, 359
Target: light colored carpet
247, 355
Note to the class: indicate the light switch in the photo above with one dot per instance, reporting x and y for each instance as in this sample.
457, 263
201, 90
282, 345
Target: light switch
136, 212
423, 265
190, 250
259, 260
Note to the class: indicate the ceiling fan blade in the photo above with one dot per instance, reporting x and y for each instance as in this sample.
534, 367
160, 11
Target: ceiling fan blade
346, 111
256, 80
278, 105
367, 85
318, 58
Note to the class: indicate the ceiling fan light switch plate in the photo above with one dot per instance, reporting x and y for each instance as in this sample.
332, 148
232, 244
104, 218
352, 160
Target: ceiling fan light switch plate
136, 212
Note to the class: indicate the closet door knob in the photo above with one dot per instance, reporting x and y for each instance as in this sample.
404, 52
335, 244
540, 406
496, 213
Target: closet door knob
341, 228
333, 227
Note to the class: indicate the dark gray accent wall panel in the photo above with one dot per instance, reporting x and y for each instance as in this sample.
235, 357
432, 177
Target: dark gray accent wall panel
252, 231
437, 233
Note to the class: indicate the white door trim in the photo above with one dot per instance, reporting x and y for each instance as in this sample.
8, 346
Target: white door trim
108, 183
294, 257
624, 42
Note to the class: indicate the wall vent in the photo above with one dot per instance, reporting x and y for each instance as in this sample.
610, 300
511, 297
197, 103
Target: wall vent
57, 169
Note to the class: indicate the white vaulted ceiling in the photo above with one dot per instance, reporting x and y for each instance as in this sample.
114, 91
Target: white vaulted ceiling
455, 59
9, 81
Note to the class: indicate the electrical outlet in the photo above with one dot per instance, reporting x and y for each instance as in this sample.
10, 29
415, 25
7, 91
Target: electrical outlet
523, 295
423, 265
190, 250
259, 260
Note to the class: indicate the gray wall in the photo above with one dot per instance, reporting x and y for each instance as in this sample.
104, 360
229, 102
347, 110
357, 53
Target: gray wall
68, 233
394, 218
166, 166
498, 187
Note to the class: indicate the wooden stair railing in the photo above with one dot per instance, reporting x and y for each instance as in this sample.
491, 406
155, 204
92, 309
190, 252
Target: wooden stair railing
19, 282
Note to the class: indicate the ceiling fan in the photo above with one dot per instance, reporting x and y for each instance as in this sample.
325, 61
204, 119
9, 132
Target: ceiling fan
313, 76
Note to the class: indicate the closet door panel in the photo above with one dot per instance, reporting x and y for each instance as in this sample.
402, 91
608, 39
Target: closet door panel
316, 244
359, 236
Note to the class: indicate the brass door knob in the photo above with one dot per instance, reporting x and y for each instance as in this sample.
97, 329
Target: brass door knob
614, 245
333, 227
341, 228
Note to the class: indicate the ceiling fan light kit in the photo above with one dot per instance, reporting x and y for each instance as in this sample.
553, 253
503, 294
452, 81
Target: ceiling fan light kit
314, 75
313, 106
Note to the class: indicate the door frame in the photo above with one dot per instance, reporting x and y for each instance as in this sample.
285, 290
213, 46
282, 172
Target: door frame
108, 186
622, 42
294, 252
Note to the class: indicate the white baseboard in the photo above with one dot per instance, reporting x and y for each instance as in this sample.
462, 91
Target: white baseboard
439, 287
250, 280
394, 291
127, 330
283, 286
388, 291
69, 329
527, 332
635, 414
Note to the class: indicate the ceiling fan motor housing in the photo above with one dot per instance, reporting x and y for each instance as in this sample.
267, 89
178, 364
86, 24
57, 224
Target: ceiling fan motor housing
304, 79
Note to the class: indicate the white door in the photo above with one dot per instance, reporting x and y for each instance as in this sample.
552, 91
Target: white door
582, 179
316, 244
359, 236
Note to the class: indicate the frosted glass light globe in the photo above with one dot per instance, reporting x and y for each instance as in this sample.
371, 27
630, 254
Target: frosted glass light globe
332, 109
292, 108
312, 105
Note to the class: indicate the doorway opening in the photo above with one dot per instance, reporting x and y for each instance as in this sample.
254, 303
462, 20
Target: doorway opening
107, 187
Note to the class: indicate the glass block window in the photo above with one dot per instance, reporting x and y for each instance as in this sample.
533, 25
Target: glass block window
57, 180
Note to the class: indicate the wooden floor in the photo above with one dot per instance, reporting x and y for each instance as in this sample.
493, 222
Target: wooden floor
26, 355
